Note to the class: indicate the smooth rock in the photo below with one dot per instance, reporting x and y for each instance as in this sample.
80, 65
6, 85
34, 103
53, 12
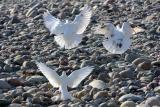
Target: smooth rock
128, 104
18, 59
56, 98
32, 12
98, 84
25, 95
146, 79
157, 73
4, 85
86, 63
131, 97
153, 101
100, 94
14, 105
29, 65
131, 57
127, 73
15, 82
157, 89
18, 99
36, 100
156, 63
158, 30
80, 94
144, 66
32, 90
112, 103
14, 19
8, 33
4, 102
36, 79
8, 68
103, 105
137, 61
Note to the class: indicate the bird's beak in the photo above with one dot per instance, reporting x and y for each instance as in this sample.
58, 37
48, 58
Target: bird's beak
51, 34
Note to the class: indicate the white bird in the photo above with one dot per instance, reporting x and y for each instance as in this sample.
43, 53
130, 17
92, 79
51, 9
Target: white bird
61, 82
68, 34
117, 40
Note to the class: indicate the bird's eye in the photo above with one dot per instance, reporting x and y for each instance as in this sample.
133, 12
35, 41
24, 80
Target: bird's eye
112, 35
107, 38
120, 45
53, 35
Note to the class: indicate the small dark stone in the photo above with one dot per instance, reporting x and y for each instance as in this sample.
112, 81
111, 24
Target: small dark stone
7, 33
14, 19
4, 102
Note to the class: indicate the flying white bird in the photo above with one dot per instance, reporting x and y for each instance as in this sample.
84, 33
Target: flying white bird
68, 34
61, 82
117, 40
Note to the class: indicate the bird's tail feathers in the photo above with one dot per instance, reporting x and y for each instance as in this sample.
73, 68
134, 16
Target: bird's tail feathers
68, 42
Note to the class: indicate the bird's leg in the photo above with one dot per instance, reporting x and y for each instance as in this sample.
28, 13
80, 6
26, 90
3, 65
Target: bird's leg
65, 95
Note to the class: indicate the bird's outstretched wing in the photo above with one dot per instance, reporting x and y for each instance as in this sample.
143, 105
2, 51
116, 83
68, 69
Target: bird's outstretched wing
50, 74
77, 76
117, 40
50, 21
82, 20
126, 29
110, 28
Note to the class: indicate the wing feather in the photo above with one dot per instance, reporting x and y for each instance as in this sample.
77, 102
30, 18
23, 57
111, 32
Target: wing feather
50, 21
77, 76
126, 29
82, 20
50, 74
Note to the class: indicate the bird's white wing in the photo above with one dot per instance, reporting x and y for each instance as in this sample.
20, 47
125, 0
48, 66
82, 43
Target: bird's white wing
82, 20
50, 21
110, 28
77, 76
50, 74
126, 29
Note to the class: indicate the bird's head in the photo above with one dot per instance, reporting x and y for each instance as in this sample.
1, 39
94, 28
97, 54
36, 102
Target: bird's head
64, 74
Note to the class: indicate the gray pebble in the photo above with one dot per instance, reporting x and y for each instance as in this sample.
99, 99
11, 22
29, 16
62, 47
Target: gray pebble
36, 79
131, 97
4, 85
14, 105
127, 73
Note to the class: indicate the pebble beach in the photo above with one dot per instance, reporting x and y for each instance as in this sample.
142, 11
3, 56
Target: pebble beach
131, 79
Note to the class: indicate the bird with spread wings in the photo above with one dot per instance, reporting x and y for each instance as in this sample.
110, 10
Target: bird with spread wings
117, 40
68, 34
62, 82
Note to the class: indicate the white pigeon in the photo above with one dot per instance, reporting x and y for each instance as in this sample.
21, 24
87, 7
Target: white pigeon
117, 40
68, 34
61, 82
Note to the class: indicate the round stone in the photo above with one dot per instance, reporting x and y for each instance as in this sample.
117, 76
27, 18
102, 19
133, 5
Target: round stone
128, 104
98, 84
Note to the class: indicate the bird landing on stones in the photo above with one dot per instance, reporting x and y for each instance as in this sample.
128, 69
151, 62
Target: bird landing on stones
61, 82
117, 40
68, 34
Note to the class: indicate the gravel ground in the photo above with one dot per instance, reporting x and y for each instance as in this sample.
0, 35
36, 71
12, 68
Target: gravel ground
126, 80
